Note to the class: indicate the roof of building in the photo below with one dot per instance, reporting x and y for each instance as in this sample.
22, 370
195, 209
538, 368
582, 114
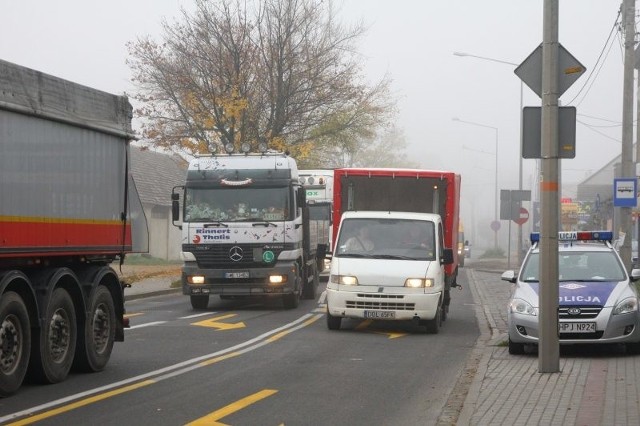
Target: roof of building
156, 174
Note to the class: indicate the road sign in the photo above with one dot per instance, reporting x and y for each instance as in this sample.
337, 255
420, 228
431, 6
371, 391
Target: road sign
569, 68
532, 132
495, 225
524, 216
624, 192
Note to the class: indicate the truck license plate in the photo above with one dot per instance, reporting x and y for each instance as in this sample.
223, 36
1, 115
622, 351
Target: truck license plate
577, 327
242, 274
379, 314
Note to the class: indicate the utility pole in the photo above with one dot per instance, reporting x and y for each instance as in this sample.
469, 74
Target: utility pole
549, 343
628, 169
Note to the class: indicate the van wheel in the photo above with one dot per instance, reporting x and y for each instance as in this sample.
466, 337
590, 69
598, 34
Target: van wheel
433, 326
333, 323
516, 348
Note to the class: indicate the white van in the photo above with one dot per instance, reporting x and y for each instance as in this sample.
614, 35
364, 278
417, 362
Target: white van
388, 266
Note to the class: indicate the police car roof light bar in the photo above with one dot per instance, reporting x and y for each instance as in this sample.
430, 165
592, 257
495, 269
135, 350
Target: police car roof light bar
578, 236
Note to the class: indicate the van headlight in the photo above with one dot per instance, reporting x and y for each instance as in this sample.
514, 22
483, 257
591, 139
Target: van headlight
418, 282
630, 304
519, 306
344, 279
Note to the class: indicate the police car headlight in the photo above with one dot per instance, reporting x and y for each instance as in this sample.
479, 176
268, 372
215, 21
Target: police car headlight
418, 282
344, 279
519, 306
630, 304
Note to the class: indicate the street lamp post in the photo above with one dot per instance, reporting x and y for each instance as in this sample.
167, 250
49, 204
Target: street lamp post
463, 54
495, 211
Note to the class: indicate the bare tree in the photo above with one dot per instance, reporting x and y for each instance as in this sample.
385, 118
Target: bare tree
234, 72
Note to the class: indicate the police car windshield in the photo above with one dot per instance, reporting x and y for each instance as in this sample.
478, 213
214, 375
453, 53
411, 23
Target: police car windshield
578, 266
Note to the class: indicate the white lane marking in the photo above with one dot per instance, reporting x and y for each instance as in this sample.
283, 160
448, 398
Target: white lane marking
198, 315
147, 324
165, 372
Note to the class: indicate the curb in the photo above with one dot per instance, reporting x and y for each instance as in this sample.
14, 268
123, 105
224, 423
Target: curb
151, 294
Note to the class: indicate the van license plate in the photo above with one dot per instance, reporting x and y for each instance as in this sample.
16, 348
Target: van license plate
243, 274
577, 327
379, 314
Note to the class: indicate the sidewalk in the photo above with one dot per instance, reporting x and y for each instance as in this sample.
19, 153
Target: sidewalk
148, 281
601, 387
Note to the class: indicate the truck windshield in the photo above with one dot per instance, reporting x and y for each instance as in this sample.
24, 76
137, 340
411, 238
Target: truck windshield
237, 204
400, 239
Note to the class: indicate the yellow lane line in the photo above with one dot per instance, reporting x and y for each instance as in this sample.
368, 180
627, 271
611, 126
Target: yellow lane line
81, 403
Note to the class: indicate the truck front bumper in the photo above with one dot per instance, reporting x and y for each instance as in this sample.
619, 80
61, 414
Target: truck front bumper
240, 282
390, 303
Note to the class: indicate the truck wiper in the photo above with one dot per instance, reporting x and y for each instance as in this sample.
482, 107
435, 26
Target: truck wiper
264, 223
214, 223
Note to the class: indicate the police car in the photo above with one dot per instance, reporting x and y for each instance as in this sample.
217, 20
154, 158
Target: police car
598, 300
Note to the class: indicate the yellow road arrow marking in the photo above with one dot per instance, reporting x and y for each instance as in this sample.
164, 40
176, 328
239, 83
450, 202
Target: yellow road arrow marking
212, 419
364, 325
215, 323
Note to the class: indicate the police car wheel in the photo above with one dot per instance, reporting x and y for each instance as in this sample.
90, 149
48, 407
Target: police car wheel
516, 348
633, 348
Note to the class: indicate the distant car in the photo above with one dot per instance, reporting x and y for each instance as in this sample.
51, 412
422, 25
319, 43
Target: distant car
598, 300
467, 249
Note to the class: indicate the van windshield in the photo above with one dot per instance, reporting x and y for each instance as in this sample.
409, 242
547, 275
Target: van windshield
387, 238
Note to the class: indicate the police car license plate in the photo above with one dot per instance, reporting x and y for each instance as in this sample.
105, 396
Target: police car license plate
379, 314
242, 274
577, 327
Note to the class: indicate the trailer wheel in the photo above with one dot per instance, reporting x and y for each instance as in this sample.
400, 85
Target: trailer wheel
53, 347
199, 302
96, 342
15, 342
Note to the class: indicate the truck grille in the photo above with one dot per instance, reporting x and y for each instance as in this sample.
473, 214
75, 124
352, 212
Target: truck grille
386, 302
232, 256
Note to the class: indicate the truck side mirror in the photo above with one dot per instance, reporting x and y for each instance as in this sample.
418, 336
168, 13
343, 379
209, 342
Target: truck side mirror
447, 259
175, 208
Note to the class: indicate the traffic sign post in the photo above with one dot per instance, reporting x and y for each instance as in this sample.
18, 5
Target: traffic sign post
523, 216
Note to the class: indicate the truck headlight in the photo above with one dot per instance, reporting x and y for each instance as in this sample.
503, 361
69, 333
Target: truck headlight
418, 282
277, 279
630, 304
187, 256
195, 279
344, 279
519, 306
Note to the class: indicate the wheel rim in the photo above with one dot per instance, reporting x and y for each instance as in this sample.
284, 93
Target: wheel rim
10, 344
59, 335
101, 328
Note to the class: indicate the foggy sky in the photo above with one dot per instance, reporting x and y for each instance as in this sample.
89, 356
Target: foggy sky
84, 41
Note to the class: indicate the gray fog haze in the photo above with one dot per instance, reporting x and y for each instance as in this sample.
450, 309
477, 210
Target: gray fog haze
414, 42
